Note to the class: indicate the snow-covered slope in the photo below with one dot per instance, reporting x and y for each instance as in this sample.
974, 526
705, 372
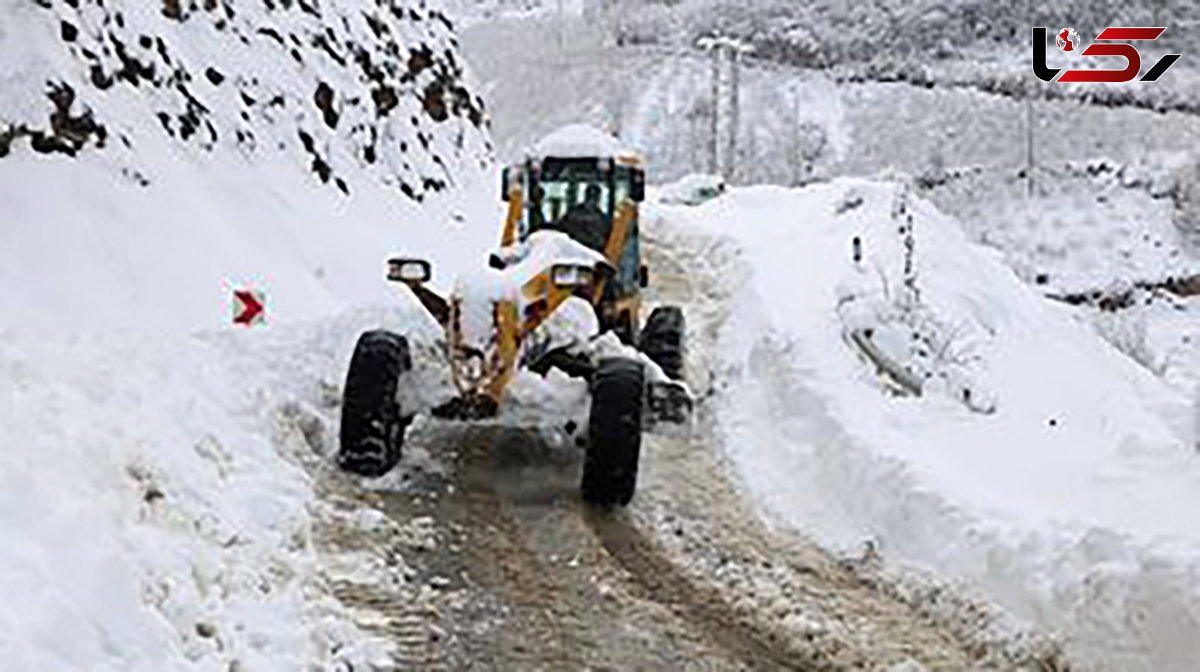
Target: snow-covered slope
1039, 465
148, 522
154, 156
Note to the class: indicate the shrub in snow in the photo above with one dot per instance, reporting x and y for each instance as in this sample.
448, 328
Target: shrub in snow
811, 143
912, 346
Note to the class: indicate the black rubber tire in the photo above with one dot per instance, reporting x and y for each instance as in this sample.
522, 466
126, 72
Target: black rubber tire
662, 340
373, 424
614, 440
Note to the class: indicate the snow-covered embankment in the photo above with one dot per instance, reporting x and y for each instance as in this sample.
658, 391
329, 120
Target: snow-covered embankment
155, 156
1038, 465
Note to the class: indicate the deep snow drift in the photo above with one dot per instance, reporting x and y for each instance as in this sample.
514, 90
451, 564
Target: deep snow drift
1040, 464
149, 523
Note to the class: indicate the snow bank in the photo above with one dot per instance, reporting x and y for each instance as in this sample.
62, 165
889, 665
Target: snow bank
1071, 502
156, 156
148, 522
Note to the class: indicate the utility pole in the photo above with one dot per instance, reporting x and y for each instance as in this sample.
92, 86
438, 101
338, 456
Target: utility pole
1029, 126
731, 158
715, 128
712, 44
1029, 143
718, 45
794, 154
737, 50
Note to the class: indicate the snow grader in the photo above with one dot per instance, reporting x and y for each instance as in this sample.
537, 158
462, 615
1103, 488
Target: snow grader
563, 290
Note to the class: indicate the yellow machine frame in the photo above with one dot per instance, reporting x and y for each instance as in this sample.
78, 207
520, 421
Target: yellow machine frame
539, 292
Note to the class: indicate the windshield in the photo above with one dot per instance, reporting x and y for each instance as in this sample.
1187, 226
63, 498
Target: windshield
574, 197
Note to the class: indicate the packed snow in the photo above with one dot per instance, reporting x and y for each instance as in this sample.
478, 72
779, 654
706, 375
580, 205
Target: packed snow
692, 189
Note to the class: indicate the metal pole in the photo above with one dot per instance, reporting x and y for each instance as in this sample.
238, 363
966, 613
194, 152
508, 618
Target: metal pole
1029, 126
1029, 143
714, 126
796, 139
731, 160
1196, 419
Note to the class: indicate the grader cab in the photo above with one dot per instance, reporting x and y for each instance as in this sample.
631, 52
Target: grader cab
580, 182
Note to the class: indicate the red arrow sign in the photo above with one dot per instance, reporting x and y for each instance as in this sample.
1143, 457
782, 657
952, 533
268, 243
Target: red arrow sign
248, 307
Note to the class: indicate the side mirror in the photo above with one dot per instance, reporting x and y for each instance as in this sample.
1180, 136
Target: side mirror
637, 186
504, 184
409, 271
643, 276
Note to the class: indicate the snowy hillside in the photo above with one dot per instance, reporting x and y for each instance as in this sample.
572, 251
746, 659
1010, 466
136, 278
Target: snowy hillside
155, 157
160, 153
1038, 463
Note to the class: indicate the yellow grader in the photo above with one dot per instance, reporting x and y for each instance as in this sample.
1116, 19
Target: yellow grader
569, 248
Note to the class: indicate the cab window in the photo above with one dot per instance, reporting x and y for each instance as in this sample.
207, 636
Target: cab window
574, 196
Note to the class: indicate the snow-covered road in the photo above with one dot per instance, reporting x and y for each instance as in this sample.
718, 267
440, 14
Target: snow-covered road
478, 550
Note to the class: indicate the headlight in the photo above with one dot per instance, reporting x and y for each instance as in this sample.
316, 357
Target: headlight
571, 275
409, 270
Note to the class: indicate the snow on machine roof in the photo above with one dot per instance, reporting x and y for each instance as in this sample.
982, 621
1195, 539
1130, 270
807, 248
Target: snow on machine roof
580, 141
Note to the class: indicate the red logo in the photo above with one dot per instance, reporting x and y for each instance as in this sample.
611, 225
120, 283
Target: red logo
1068, 41
249, 307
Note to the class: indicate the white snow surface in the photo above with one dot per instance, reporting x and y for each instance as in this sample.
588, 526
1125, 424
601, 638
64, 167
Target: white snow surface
1071, 503
542, 250
151, 517
577, 141
692, 189
148, 521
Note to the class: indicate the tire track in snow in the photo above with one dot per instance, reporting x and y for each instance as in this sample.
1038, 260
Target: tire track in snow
702, 605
